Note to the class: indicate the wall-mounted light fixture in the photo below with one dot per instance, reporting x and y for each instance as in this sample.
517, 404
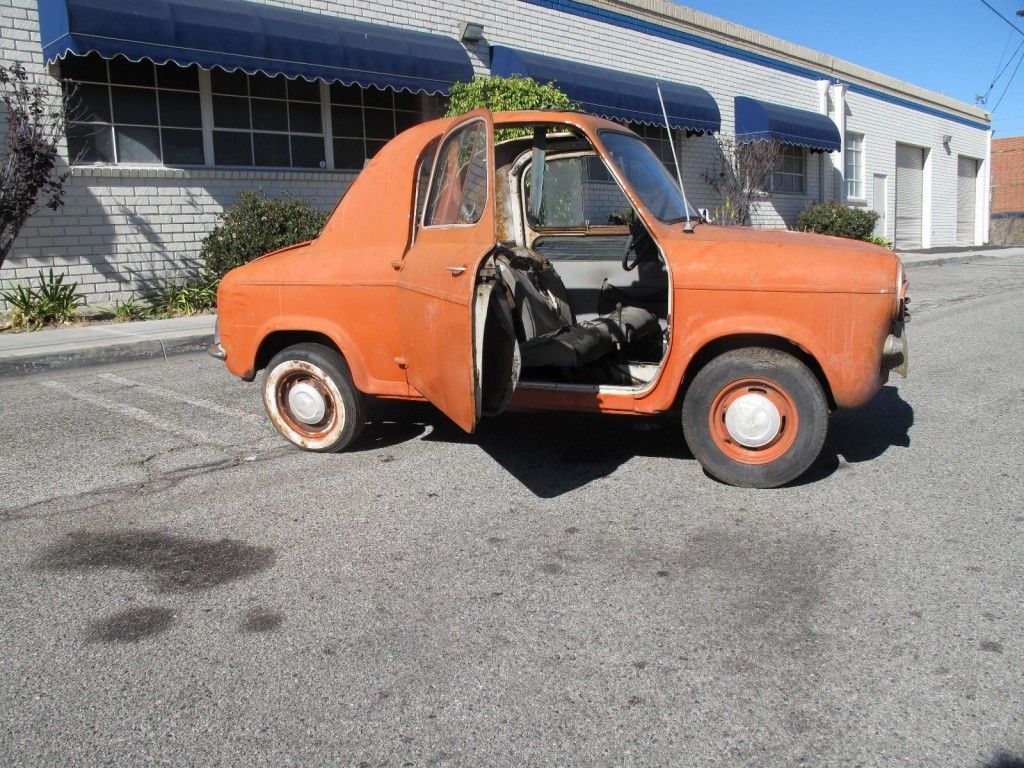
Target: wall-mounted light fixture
470, 31
946, 140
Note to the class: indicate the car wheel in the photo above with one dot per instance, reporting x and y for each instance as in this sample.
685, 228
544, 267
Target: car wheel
310, 398
755, 417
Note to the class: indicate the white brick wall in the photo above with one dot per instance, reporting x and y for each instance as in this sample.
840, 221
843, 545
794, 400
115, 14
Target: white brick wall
123, 230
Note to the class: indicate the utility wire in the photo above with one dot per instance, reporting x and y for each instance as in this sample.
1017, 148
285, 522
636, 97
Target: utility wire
1008, 83
999, 74
997, 13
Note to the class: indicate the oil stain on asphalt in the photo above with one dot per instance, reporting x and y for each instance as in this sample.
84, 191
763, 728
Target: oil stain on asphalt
131, 625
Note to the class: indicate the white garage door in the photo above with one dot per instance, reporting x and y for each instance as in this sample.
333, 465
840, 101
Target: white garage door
909, 195
966, 199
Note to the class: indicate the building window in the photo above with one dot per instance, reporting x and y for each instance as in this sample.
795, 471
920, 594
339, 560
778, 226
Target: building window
266, 121
855, 166
128, 112
364, 119
790, 175
656, 137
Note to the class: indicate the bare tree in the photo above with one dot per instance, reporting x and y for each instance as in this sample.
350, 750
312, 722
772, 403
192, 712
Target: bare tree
743, 175
36, 120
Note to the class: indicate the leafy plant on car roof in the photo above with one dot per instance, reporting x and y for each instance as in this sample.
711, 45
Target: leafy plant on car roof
506, 94
51, 301
256, 225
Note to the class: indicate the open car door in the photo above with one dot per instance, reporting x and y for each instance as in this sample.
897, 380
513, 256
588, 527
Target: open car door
437, 285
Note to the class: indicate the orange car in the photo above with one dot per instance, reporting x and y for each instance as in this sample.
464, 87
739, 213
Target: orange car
560, 268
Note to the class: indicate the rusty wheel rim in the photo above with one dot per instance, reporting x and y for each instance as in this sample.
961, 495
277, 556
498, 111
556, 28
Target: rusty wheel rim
305, 375
757, 440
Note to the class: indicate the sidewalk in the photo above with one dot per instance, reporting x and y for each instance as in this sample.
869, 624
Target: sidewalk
72, 347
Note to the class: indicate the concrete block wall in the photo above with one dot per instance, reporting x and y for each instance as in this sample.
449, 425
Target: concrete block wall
124, 229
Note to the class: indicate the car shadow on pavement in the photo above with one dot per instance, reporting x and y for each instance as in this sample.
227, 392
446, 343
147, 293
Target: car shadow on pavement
863, 434
550, 453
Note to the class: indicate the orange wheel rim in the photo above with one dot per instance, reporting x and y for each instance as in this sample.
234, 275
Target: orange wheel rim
763, 425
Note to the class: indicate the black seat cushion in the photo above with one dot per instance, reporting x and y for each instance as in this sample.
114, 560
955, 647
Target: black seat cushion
582, 344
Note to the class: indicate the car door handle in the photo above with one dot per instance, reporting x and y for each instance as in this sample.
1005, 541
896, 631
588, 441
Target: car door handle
456, 271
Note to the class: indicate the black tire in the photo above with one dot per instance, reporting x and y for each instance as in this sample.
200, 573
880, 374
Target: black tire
799, 404
323, 373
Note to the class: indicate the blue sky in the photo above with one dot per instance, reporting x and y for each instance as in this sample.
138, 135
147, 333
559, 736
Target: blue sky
954, 47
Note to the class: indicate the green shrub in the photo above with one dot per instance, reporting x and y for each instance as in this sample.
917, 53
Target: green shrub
506, 94
186, 298
127, 310
256, 225
831, 218
879, 240
49, 302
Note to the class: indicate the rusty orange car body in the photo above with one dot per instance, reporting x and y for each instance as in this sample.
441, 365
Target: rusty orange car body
398, 300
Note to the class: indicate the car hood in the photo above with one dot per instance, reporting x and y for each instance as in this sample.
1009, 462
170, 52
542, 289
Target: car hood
744, 258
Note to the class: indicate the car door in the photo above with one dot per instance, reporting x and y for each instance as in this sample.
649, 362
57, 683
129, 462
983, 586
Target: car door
437, 283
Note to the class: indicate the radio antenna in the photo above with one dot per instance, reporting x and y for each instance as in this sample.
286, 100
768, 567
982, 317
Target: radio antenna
675, 159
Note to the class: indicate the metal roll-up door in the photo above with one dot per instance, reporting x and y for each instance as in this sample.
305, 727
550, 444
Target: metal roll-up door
909, 195
966, 199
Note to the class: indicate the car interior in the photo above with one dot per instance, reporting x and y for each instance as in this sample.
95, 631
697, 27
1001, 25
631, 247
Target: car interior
587, 285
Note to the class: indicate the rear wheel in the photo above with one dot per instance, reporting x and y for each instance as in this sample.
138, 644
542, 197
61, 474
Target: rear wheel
755, 417
310, 398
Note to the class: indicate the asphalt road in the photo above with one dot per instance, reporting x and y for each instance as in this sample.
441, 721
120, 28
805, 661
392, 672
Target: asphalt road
179, 587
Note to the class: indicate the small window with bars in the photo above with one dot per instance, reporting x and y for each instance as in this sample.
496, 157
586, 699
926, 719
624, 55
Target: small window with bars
790, 174
132, 112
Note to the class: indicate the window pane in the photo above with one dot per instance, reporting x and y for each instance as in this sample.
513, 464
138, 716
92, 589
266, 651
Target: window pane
405, 120
134, 105
173, 76
347, 121
303, 90
374, 97
307, 151
228, 82
271, 87
346, 94
270, 149
380, 123
270, 115
137, 145
458, 194
230, 112
92, 67
373, 147
348, 153
230, 148
89, 103
131, 73
178, 108
90, 144
406, 100
183, 147
305, 118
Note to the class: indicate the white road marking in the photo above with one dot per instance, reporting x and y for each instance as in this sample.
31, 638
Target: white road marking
198, 402
131, 412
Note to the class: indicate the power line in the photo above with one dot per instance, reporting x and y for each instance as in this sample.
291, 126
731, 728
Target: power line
1000, 15
1008, 84
984, 97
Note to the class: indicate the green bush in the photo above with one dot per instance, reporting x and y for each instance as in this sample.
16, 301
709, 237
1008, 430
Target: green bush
506, 94
49, 302
256, 225
831, 218
188, 298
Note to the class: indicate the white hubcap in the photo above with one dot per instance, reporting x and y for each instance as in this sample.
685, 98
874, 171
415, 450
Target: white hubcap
753, 420
306, 403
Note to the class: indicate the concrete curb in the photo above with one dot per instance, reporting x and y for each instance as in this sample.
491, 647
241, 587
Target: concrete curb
123, 351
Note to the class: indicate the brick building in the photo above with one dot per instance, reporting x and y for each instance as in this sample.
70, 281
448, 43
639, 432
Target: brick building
188, 101
1008, 175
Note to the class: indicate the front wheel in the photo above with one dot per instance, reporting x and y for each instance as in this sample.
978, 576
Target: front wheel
310, 398
755, 417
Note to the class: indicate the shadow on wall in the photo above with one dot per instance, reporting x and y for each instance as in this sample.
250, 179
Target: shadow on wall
120, 234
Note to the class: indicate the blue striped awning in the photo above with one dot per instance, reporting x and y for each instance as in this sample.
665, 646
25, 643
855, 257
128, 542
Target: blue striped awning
253, 37
613, 94
762, 121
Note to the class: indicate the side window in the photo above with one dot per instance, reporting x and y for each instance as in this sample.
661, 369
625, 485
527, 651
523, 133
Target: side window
423, 169
578, 192
458, 194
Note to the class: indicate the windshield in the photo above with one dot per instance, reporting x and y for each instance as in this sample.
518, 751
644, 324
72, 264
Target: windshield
647, 176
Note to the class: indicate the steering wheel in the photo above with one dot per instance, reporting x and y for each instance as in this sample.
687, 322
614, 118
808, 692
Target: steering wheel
630, 246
